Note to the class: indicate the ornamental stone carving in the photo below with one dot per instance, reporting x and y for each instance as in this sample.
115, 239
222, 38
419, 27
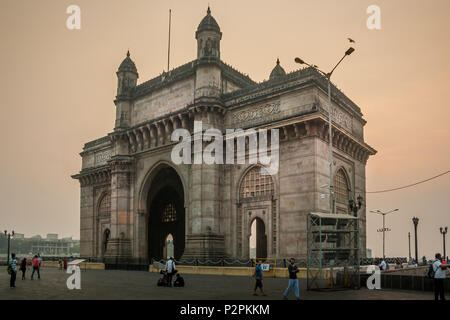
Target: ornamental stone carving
256, 112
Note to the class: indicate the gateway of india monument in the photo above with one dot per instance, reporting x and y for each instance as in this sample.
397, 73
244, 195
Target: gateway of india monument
136, 204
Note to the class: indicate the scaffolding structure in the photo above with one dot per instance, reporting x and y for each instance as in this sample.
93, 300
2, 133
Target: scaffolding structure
333, 253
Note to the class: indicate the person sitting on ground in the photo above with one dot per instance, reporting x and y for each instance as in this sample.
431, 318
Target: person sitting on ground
179, 281
162, 282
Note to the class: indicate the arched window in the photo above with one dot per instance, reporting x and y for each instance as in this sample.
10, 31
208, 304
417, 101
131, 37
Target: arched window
104, 208
256, 184
168, 247
341, 188
169, 213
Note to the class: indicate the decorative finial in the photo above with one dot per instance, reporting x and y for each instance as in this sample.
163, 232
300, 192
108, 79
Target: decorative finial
208, 11
278, 61
128, 53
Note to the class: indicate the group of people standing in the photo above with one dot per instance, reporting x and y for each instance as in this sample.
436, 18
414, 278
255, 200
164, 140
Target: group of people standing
293, 281
436, 272
36, 262
62, 262
168, 274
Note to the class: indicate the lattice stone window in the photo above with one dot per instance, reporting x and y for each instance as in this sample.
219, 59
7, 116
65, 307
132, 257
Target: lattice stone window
255, 184
169, 213
104, 209
341, 189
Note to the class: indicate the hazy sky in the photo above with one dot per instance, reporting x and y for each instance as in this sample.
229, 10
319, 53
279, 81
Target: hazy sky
57, 89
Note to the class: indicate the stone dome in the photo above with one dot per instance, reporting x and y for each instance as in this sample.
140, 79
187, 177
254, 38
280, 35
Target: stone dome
208, 23
127, 65
277, 72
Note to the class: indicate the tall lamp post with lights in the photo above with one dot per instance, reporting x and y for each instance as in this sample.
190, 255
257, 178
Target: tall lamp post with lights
409, 245
443, 232
355, 206
328, 76
384, 229
416, 222
9, 242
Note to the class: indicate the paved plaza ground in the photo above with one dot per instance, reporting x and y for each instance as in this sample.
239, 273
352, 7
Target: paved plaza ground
116, 284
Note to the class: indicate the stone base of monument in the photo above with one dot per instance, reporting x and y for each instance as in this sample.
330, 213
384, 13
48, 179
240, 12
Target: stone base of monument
204, 246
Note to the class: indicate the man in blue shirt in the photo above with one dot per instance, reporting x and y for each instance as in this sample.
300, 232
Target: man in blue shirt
259, 277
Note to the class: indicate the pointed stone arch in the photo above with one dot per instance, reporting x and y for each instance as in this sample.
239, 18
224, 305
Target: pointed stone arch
257, 198
342, 190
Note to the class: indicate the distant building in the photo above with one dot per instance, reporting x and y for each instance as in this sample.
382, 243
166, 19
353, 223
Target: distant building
46, 247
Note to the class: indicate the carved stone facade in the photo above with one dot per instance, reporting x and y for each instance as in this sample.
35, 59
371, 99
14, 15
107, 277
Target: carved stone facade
212, 207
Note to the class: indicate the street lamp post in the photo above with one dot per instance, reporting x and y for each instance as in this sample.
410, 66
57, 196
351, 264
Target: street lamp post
9, 242
416, 222
443, 232
355, 206
409, 245
328, 77
384, 229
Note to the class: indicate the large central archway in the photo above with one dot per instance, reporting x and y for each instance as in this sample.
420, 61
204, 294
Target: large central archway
166, 215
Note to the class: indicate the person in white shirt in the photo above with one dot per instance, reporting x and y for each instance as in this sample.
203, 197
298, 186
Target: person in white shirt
383, 265
170, 268
439, 277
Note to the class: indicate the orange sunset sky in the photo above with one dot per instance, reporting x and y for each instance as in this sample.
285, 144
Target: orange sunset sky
58, 85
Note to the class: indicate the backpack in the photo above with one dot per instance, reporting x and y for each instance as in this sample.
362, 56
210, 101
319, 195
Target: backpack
162, 282
9, 268
431, 272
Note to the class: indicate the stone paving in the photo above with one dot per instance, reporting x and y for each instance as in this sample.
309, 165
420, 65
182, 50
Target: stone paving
116, 284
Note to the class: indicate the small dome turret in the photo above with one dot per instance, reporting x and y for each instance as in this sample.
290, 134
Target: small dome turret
208, 37
127, 65
208, 23
277, 72
127, 76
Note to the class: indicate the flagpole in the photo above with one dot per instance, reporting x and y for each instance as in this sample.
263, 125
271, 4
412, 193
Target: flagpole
168, 51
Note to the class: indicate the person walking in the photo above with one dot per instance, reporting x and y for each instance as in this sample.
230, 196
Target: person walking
170, 268
258, 274
383, 265
13, 264
23, 267
65, 263
60, 263
439, 277
293, 281
36, 267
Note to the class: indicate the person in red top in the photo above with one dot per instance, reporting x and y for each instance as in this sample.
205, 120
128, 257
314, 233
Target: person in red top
36, 266
65, 263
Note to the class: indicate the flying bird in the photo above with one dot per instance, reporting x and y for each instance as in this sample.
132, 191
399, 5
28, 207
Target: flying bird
351, 40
